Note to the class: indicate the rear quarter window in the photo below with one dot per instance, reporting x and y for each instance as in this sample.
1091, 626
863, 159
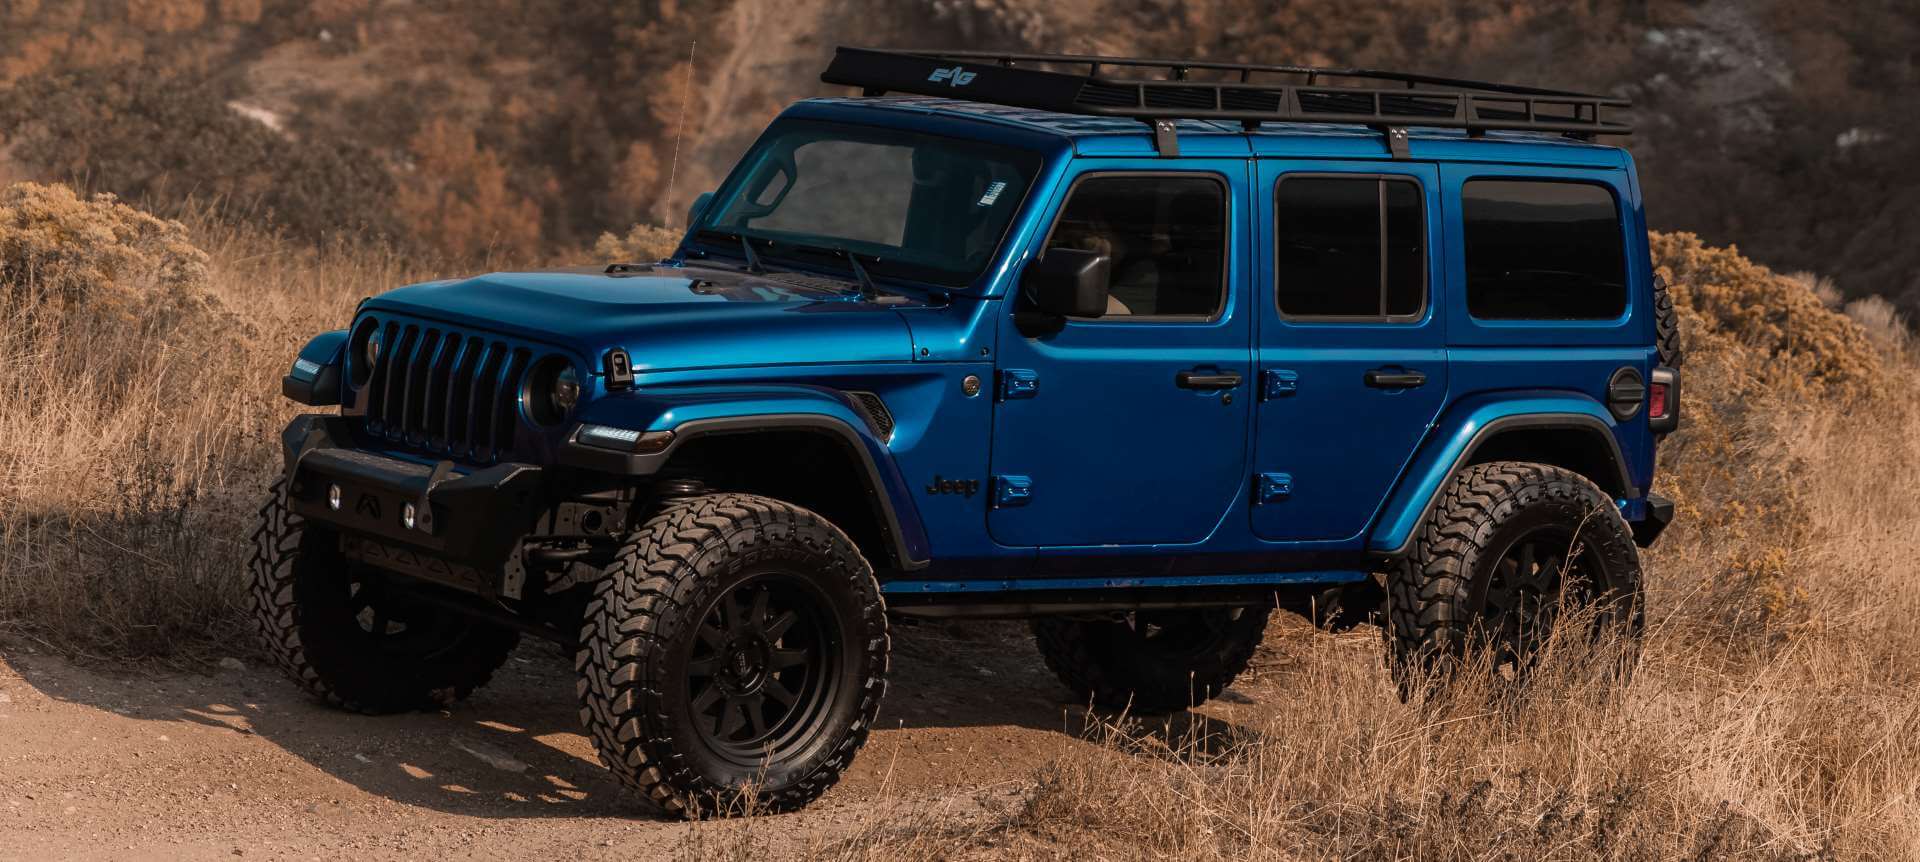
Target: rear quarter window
1543, 250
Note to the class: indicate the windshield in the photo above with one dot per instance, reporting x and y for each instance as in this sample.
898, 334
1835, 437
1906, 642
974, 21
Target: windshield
917, 206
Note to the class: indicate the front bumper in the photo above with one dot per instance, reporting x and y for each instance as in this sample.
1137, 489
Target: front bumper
473, 520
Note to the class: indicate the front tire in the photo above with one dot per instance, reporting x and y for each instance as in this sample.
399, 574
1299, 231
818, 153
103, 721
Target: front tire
1152, 661
339, 632
1507, 550
733, 657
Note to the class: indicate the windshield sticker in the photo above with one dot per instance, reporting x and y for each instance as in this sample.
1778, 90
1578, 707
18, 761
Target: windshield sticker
993, 193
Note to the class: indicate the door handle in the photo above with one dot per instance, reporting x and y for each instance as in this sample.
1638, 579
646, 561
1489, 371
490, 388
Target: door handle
1385, 378
1206, 379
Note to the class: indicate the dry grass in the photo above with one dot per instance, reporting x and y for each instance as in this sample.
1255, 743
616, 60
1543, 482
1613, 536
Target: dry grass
142, 415
1772, 714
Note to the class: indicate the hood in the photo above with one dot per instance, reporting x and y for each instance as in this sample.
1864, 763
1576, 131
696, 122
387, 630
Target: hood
672, 317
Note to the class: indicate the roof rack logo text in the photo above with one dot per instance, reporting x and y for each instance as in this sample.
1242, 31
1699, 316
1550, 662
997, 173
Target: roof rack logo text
956, 76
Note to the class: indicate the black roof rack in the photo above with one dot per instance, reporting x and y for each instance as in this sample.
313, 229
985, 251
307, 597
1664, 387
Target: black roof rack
1160, 92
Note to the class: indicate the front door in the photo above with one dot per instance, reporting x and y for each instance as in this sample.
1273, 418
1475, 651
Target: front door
1352, 358
1130, 428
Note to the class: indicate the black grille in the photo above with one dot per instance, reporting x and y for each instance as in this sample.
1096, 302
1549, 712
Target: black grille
447, 392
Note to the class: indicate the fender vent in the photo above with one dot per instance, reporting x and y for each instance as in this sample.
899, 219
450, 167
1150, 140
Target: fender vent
874, 410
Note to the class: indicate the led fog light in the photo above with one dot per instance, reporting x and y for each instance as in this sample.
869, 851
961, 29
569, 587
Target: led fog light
407, 514
333, 497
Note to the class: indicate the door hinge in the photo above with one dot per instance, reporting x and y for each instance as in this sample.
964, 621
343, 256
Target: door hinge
1017, 383
1278, 383
1272, 487
1010, 492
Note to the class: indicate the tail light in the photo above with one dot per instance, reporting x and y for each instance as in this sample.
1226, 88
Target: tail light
1663, 401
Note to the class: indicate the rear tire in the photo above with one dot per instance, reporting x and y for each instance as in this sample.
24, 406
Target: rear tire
336, 630
1506, 548
733, 657
1153, 661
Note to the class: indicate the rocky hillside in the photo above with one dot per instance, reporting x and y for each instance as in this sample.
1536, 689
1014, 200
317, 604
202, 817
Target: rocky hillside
513, 128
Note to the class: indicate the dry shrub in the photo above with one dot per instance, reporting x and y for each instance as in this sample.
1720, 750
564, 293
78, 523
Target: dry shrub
62, 251
1731, 306
1760, 349
458, 199
167, 16
645, 242
141, 419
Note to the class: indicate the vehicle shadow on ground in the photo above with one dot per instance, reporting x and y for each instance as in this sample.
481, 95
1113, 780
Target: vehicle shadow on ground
515, 748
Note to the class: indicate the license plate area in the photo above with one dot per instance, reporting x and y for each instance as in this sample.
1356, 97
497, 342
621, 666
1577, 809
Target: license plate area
418, 565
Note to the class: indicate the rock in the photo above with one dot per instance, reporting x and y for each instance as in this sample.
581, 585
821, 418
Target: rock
492, 756
1231, 696
231, 663
5, 697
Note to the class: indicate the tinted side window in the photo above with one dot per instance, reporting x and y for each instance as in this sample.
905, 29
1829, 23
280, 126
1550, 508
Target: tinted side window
1166, 236
1540, 250
1350, 247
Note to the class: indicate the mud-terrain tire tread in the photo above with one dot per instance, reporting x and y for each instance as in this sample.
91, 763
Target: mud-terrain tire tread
371, 688
1666, 324
1079, 656
1429, 618
664, 567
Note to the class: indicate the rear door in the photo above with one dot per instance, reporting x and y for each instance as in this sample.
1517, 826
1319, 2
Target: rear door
1350, 351
1131, 428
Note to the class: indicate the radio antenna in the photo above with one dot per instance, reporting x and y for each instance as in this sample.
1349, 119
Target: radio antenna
680, 126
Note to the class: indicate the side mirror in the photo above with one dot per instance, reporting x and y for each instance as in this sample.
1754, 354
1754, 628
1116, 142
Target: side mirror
699, 208
1068, 282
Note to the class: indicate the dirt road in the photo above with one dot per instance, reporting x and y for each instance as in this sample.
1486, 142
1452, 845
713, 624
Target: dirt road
236, 763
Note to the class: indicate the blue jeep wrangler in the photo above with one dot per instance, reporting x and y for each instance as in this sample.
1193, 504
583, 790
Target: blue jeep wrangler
1137, 350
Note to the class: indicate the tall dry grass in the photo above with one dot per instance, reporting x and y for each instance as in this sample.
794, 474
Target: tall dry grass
139, 414
1772, 715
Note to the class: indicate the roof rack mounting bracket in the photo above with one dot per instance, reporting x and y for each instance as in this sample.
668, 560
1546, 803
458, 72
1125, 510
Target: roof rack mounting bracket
1166, 138
1396, 142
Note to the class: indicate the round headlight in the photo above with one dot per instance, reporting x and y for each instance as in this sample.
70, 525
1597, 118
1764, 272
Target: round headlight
566, 391
361, 350
551, 392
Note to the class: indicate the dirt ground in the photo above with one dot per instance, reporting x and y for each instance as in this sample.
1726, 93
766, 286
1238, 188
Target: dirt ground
98, 764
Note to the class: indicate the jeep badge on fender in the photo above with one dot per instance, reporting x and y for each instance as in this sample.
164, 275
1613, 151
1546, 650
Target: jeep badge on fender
693, 474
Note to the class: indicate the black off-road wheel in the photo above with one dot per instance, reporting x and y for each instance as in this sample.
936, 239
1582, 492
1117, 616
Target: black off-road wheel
1508, 550
733, 657
1152, 661
341, 631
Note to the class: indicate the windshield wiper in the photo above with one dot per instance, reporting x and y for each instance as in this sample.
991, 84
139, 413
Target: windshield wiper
746, 248
868, 291
753, 257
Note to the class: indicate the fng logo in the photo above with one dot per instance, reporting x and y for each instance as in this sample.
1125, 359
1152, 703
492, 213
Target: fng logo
956, 76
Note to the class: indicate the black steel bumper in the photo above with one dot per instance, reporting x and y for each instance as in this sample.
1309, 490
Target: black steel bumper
1659, 515
474, 520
